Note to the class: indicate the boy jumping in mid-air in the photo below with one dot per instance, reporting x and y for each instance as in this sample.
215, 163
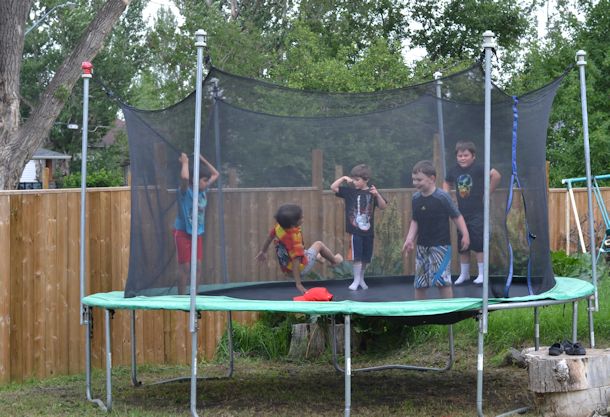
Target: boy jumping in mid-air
468, 178
183, 227
432, 208
291, 254
360, 202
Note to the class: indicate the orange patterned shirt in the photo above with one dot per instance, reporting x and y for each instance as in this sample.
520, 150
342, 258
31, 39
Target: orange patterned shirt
288, 245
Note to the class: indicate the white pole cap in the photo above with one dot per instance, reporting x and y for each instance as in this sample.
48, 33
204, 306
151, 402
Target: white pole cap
489, 39
201, 38
580, 58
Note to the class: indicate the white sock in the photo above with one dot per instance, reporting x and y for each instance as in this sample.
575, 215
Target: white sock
356, 270
464, 274
479, 279
362, 283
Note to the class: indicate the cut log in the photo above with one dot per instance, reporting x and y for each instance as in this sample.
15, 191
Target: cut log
307, 341
570, 386
565, 373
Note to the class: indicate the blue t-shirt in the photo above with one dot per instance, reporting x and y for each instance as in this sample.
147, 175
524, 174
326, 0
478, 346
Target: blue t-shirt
185, 208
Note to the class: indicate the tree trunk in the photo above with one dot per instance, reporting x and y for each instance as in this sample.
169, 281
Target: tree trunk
17, 144
12, 28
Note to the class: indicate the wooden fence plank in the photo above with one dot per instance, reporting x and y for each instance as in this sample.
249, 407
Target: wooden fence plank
5, 288
61, 354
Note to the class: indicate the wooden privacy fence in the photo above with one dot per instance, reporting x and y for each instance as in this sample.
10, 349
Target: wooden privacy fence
40, 334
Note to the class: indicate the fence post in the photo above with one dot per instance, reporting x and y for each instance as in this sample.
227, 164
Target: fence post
317, 176
232, 183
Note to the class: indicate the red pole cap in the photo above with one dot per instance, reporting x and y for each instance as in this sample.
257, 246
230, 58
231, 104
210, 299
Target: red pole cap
87, 67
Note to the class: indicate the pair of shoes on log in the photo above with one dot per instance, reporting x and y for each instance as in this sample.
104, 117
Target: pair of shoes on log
568, 348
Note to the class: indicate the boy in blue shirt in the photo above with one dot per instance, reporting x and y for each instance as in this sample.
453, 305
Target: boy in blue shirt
183, 226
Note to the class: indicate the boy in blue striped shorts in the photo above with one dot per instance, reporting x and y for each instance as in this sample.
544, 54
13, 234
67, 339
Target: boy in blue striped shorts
431, 210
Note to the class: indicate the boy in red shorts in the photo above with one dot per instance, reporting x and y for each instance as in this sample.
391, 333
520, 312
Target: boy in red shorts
183, 226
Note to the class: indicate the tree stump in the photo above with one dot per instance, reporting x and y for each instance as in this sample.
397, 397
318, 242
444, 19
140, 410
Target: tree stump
570, 386
307, 341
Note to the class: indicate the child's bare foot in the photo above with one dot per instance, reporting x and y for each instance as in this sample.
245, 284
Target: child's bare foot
338, 259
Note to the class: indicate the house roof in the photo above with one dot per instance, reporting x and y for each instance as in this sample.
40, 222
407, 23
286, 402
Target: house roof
42, 153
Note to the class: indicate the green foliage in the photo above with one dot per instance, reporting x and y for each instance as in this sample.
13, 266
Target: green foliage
548, 59
577, 265
388, 258
259, 339
99, 178
455, 28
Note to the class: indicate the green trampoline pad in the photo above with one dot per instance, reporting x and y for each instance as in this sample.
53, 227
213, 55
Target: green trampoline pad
564, 289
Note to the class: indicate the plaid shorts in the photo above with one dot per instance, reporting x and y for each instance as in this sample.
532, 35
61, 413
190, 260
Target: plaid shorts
432, 265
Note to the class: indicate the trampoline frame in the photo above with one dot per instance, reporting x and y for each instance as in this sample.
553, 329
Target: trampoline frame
483, 312
348, 370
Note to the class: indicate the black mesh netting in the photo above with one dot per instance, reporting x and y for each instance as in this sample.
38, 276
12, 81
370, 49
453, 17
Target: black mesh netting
266, 135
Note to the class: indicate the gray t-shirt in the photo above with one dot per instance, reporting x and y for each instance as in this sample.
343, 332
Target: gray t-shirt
432, 215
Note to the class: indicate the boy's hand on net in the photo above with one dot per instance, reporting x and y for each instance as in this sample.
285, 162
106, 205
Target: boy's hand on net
301, 288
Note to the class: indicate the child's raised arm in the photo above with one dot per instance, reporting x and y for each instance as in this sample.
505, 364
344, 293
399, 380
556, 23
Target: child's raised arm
335, 185
214, 174
184, 171
461, 225
381, 203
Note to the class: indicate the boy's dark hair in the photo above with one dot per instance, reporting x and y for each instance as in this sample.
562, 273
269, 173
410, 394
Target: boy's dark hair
204, 172
288, 215
425, 167
462, 146
363, 171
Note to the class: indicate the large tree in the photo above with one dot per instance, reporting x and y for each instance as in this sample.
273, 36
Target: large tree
18, 141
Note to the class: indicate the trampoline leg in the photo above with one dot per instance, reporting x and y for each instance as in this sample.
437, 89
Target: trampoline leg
87, 318
448, 365
574, 321
348, 367
333, 325
230, 342
590, 311
134, 365
107, 318
194, 352
536, 329
480, 371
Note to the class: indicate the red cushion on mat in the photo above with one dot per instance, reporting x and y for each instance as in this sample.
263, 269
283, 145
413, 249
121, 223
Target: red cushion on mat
315, 294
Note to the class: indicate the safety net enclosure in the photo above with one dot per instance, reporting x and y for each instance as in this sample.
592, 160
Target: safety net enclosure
263, 134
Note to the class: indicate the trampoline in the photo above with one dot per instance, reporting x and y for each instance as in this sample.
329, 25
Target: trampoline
233, 110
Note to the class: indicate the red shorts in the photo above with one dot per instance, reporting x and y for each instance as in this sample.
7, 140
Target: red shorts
183, 246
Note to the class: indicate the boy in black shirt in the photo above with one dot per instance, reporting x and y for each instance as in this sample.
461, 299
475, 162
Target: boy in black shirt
432, 208
468, 179
360, 202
